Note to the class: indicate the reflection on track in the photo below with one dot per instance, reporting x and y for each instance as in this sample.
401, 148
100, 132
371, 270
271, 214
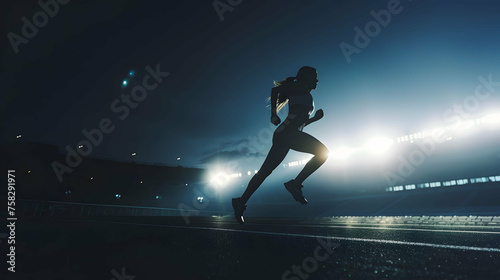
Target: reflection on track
480, 239
262, 248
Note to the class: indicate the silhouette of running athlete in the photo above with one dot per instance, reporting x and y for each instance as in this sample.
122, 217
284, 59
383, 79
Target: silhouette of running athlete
296, 91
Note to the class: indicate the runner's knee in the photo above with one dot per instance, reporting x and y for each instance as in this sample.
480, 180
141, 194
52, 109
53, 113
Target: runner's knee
322, 153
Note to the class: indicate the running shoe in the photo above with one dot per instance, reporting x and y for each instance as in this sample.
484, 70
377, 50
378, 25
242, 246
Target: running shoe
296, 190
239, 208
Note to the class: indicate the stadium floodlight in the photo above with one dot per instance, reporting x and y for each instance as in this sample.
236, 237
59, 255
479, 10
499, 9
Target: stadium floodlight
219, 180
379, 145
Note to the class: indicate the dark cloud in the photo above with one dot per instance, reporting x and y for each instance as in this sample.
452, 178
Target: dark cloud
231, 145
236, 154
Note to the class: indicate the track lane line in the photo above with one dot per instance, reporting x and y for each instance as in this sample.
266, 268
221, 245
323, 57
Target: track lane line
373, 228
432, 245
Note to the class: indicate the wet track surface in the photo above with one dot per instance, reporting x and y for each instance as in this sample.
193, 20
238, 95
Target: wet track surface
218, 248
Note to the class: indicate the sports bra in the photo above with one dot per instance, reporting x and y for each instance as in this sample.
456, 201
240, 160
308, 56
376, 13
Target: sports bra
303, 99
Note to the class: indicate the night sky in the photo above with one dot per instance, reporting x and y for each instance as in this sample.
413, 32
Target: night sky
65, 79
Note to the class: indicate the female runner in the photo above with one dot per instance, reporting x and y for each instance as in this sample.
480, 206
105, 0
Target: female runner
296, 91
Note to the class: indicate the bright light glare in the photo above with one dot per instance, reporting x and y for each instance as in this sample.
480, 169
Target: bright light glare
492, 119
466, 125
343, 152
379, 145
220, 180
